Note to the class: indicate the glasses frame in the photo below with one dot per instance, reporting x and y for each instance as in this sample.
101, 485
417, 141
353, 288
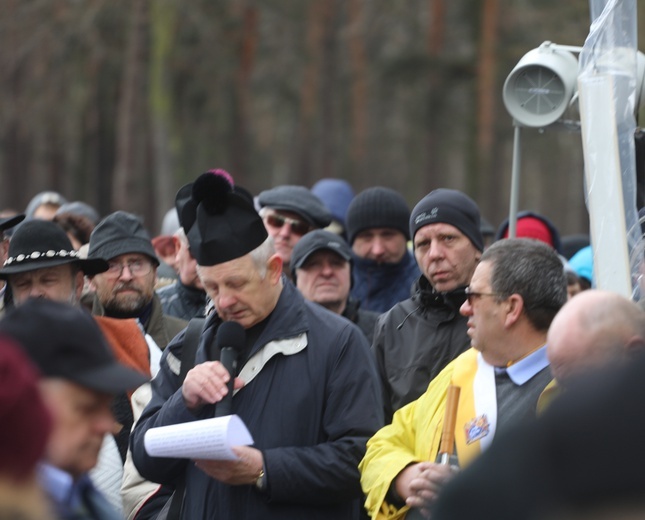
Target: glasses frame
470, 295
111, 272
298, 227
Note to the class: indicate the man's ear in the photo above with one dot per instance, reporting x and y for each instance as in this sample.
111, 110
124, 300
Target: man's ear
79, 284
635, 345
514, 308
274, 269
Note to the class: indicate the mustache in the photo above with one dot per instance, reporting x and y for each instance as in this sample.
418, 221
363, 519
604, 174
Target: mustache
127, 287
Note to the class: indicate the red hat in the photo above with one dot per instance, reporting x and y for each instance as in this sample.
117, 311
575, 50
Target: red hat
532, 227
26, 423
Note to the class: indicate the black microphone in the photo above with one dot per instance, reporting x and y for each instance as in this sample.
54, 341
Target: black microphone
229, 340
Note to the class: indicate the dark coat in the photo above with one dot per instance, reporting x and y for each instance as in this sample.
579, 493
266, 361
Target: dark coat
381, 286
364, 320
310, 412
182, 301
415, 340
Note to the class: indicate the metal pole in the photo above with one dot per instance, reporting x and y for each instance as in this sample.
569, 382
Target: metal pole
515, 183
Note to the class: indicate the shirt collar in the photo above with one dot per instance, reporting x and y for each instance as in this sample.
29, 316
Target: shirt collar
526, 368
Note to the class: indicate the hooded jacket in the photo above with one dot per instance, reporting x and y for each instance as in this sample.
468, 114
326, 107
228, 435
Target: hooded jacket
415, 340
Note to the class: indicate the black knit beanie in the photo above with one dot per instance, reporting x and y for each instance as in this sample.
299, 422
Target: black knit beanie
450, 207
377, 207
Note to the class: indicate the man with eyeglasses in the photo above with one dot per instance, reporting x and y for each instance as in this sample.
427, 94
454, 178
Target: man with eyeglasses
126, 289
515, 292
419, 336
289, 212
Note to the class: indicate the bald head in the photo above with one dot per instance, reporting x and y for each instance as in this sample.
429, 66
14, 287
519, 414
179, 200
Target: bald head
591, 330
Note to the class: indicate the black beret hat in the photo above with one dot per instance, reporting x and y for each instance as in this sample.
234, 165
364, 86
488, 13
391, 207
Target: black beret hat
219, 219
297, 199
120, 233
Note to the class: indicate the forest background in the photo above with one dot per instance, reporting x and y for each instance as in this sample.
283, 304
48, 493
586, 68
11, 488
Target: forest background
121, 102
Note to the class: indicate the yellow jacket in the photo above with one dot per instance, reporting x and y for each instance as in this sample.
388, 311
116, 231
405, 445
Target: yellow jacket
415, 434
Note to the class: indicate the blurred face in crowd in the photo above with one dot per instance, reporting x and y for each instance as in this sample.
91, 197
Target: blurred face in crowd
82, 417
46, 211
286, 228
383, 245
128, 284
62, 283
446, 257
241, 290
325, 278
186, 265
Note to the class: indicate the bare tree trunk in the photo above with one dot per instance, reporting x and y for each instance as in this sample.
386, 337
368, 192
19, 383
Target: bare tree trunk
320, 12
359, 93
482, 176
246, 40
129, 149
436, 30
162, 20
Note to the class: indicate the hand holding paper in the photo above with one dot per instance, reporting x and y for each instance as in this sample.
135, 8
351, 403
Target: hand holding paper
210, 439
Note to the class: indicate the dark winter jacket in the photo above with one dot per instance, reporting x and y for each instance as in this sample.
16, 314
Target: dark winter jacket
182, 301
415, 340
364, 320
310, 410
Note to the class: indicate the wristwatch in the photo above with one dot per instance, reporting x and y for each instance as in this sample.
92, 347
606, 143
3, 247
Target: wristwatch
260, 482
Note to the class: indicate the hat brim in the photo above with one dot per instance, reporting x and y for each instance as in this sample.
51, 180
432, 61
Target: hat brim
9, 222
89, 266
114, 378
301, 261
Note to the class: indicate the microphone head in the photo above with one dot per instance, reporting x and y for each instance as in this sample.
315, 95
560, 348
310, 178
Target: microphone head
230, 334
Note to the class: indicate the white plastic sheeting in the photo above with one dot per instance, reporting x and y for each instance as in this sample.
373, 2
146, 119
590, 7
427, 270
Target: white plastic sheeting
607, 95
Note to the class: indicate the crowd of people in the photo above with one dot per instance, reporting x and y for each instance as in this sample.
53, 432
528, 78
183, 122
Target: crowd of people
357, 319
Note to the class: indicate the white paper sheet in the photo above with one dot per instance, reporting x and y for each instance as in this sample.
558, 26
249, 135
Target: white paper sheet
207, 439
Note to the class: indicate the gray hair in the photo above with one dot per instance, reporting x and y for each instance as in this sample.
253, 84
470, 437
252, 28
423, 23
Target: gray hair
533, 270
261, 254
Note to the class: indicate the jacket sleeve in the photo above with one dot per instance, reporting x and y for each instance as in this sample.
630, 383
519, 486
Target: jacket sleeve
413, 436
165, 407
327, 472
378, 351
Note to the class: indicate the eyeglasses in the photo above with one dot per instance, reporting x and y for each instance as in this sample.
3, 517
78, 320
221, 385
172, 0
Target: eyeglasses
136, 268
471, 295
299, 227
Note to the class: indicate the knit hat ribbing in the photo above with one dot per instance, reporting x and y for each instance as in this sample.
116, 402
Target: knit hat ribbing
450, 207
377, 207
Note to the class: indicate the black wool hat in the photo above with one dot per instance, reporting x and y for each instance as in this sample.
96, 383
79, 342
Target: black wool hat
315, 241
65, 341
377, 207
37, 244
220, 221
450, 207
120, 233
297, 199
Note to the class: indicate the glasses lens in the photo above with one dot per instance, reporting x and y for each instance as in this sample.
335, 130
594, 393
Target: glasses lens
275, 221
297, 226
